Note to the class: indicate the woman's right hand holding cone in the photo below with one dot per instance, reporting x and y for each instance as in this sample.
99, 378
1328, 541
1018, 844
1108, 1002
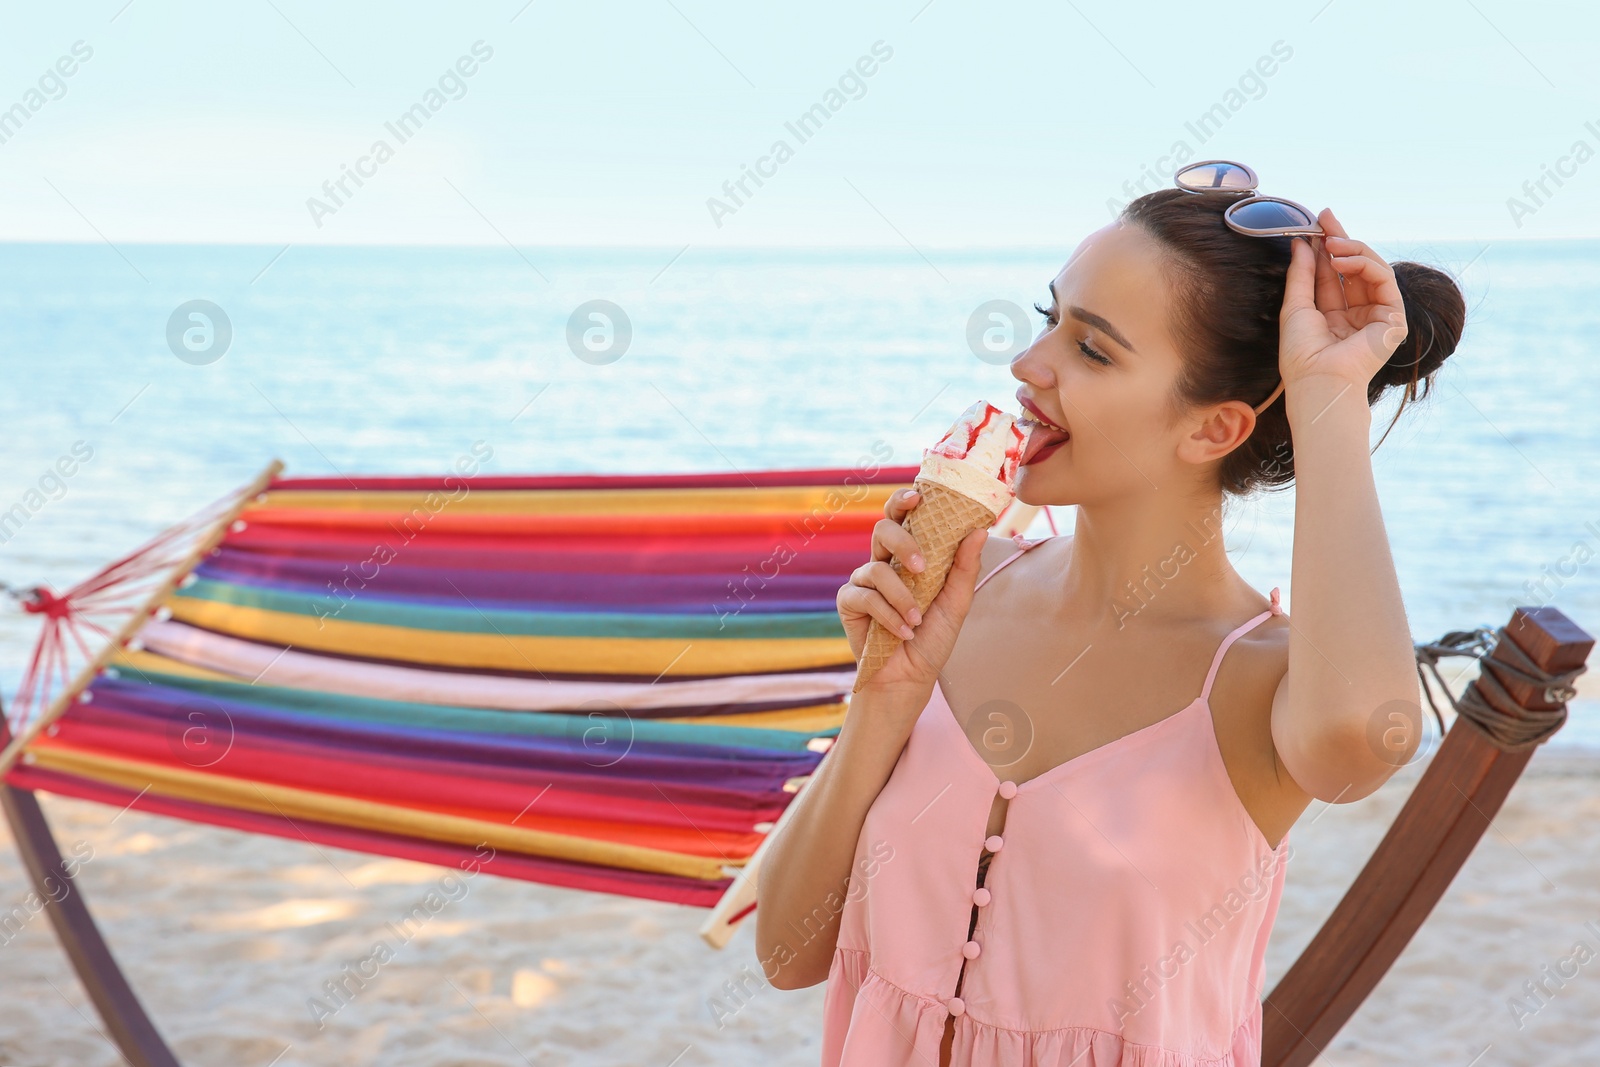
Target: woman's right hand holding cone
876, 592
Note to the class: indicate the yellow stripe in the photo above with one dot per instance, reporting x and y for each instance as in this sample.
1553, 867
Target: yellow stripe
292, 803
654, 656
720, 501
809, 719
134, 662
802, 720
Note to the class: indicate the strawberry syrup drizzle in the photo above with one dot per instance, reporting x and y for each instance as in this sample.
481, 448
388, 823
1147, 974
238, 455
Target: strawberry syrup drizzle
1013, 453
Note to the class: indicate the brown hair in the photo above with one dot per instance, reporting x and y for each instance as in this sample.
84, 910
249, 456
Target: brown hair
1227, 299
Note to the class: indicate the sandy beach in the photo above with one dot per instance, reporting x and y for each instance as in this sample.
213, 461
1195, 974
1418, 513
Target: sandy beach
234, 939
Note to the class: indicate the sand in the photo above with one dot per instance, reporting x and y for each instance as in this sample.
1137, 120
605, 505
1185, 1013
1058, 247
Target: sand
229, 937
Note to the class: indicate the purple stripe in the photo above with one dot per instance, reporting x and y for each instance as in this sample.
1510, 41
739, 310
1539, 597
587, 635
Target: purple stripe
532, 557
634, 593
723, 771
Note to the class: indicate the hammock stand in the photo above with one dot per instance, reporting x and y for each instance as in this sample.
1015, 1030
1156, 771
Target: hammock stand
1517, 702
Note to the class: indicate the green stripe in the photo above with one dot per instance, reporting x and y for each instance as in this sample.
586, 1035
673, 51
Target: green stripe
746, 626
474, 720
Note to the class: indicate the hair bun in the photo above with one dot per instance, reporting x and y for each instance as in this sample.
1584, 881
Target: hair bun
1436, 313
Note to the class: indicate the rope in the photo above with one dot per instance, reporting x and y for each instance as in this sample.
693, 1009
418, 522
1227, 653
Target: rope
1486, 703
113, 592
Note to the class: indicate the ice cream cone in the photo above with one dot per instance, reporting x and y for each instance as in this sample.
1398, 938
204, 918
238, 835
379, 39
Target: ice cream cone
966, 481
938, 523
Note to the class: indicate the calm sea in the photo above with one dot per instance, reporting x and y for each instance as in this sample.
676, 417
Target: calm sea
399, 360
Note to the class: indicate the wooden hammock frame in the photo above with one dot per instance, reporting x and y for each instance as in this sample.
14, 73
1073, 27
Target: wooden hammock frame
1447, 812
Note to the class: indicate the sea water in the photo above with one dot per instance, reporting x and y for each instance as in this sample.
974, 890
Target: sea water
401, 360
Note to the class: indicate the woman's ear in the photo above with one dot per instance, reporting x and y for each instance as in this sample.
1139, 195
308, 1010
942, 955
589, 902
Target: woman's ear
1220, 430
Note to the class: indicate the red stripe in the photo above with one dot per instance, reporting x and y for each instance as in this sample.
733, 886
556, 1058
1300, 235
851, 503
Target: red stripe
734, 480
588, 877
496, 793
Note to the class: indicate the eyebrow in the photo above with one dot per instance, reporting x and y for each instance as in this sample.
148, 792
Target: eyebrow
1086, 316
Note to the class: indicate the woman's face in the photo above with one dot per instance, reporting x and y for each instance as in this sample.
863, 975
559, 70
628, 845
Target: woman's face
1103, 367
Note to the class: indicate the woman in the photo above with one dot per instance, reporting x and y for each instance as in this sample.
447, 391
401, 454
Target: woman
1017, 852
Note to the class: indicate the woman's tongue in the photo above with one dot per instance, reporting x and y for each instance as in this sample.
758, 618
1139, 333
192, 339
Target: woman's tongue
1040, 438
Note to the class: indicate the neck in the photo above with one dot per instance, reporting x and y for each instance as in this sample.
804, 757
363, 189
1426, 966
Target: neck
1142, 558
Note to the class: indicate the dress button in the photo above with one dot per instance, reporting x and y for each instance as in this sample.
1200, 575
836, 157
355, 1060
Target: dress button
956, 1005
980, 896
971, 950
1008, 789
993, 842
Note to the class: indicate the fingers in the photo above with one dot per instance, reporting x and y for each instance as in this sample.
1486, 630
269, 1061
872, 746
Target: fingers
1379, 305
1385, 339
1331, 294
892, 540
1363, 286
876, 590
968, 553
1298, 289
900, 503
1358, 282
1331, 226
1382, 286
1351, 246
963, 579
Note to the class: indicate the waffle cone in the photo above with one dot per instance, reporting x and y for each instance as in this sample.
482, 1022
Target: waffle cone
939, 523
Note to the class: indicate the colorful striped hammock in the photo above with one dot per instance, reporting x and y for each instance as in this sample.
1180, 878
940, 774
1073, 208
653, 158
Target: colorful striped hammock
605, 682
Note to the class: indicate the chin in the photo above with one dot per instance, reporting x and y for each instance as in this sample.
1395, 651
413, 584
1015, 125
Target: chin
1034, 489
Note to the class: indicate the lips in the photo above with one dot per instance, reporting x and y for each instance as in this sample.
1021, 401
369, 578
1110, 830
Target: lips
1044, 436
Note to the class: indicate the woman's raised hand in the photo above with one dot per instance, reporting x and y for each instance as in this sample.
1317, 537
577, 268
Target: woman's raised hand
877, 591
1343, 315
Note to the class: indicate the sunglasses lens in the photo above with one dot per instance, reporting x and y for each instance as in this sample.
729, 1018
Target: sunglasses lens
1271, 215
1215, 176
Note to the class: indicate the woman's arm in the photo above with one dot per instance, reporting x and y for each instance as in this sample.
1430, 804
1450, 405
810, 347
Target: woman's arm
1347, 714
805, 874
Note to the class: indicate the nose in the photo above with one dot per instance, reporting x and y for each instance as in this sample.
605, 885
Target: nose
1032, 366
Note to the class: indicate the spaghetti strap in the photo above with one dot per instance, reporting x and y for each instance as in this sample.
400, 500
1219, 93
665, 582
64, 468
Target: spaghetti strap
1023, 544
1239, 631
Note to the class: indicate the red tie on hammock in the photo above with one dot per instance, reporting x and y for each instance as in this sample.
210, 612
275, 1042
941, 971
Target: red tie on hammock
92, 609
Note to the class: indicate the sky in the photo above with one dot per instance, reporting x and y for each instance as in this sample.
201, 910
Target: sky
932, 124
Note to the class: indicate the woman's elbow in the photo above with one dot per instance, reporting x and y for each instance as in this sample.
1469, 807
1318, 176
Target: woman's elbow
1350, 762
795, 976
783, 967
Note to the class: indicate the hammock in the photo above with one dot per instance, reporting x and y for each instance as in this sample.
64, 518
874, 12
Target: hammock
608, 683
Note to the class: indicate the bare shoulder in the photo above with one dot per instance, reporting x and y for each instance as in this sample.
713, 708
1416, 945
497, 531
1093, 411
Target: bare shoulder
1242, 697
1265, 647
1247, 681
996, 550
999, 548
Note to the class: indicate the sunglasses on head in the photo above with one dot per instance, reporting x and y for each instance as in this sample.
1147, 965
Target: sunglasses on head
1253, 215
